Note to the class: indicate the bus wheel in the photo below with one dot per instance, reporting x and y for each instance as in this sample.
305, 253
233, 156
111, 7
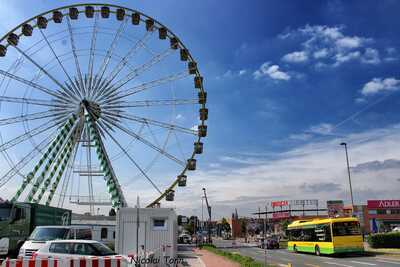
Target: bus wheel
295, 248
317, 251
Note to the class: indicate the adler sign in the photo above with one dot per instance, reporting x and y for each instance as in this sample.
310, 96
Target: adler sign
383, 204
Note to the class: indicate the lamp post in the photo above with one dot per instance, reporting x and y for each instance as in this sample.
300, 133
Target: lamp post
348, 171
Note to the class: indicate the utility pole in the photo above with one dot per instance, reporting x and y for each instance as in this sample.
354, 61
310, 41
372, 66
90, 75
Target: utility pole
209, 216
265, 236
348, 171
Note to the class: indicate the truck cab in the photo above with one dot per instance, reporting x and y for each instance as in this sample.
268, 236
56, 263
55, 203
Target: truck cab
14, 226
18, 219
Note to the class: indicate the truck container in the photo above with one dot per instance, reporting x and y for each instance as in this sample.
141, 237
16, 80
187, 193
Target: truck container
19, 219
157, 232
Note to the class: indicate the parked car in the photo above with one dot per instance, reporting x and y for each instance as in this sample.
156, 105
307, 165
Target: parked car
184, 239
42, 234
62, 249
396, 229
270, 243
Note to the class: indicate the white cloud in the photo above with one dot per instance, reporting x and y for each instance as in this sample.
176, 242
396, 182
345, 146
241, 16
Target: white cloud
308, 171
322, 53
179, 117
229, 74
344, 57
348, 42
301, 136
322, 128
391, 54
330, 46
295, 57
371, 56
377, 85
271, 71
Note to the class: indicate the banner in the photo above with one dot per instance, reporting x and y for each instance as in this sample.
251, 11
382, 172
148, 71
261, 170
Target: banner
335, 208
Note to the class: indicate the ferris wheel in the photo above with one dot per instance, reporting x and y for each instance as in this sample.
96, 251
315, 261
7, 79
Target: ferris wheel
98, 102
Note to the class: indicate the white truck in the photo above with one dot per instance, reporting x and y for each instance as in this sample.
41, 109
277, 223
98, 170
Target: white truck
148, 231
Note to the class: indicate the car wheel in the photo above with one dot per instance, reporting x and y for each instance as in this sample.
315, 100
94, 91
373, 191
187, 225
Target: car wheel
317, 251
294, 248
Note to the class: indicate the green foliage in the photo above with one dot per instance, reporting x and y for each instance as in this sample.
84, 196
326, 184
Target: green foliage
244, 261
225, 225
384, 240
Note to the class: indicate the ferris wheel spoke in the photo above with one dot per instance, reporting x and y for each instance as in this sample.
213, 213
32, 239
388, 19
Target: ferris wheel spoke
147, 143
38, 102
156, 123
107, 58
136, 72
25, 160
133, 161
33, 85
91, 55
19, 139
124, 60
151, 103
69, 92
43, 70
27, 117
73, 47
113, 96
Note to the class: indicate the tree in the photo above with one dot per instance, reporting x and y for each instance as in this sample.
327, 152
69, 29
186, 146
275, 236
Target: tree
225, 225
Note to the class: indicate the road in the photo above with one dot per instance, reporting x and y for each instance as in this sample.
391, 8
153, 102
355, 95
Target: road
281, 257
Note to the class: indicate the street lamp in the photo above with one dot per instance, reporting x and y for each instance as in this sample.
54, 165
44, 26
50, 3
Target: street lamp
348, 171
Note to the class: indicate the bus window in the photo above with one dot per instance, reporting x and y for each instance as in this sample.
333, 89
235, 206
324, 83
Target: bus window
346, 228
323, 233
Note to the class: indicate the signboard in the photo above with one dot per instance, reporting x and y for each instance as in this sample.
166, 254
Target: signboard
279, 203
299, 202
304, 202
335, 207
383, 204
280, 215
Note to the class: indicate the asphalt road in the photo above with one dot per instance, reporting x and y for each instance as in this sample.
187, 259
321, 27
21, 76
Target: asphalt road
281, 257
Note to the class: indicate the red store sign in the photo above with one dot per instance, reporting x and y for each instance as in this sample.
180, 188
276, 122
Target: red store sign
383, 204
279, 203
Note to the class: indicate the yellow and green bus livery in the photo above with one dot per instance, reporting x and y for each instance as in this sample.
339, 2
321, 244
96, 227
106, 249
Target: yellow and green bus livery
325, 236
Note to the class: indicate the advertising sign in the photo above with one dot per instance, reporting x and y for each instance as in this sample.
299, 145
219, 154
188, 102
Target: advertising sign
279, 203
335, 207
383, 204
280, 215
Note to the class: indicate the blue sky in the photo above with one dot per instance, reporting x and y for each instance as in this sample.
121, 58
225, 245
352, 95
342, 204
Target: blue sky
287, 82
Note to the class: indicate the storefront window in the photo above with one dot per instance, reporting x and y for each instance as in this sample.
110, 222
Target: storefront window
382, 211
372, 212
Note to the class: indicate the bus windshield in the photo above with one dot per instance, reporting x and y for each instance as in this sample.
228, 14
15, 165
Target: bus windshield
346, 228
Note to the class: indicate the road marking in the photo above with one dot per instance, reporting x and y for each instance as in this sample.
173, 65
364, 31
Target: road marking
392, 262
383, 258
312, 265
338, 264
365, 263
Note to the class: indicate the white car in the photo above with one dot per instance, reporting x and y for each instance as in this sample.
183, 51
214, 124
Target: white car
42, 234
63, 249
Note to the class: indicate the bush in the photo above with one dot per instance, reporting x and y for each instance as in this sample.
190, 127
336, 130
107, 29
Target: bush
384, 240
243, 260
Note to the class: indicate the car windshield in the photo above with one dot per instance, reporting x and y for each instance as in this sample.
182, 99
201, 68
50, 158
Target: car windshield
346, 228
103, 250
4, 214
44, 234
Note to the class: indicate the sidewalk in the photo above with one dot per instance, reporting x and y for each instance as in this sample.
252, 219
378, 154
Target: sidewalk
211, 260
